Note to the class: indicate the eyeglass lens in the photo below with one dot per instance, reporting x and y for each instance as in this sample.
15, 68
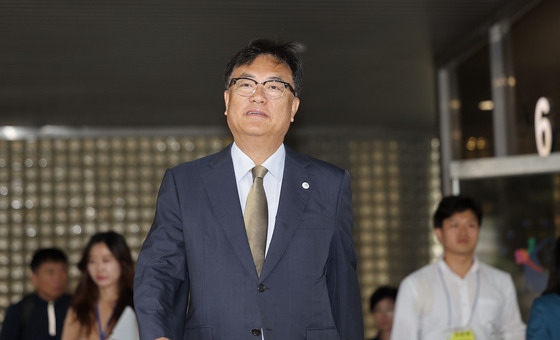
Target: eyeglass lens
272, 89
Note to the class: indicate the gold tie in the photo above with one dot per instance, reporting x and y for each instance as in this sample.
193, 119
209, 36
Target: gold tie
256, 217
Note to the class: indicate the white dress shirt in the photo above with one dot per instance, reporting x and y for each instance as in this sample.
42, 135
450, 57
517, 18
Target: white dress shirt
434, 299
272, 181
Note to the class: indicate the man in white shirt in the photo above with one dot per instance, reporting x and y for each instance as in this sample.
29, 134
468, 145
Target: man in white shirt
457, 297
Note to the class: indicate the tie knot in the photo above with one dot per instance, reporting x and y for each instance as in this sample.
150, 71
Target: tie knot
259, 171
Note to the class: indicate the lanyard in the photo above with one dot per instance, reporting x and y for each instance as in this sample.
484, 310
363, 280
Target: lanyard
101, 331
51, 316
448, 297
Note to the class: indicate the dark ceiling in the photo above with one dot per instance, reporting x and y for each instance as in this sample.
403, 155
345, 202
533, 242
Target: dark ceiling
147, 63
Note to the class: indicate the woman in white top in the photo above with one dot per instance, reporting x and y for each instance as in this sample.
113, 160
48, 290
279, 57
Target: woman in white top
104, 290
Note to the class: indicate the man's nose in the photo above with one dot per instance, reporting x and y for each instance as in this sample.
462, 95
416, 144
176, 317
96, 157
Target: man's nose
259, 95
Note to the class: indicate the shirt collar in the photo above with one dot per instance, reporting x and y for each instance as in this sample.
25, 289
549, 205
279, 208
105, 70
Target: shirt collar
242, 164
443, 265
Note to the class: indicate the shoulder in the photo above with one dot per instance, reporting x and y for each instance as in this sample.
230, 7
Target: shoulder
72, 327
498, 283
15, 309
545, 311
312, 164
27, 301
205, 161
71, 321
191, 173
424, 272
551, 300
13, 320
420, 279
494, 274
71, 315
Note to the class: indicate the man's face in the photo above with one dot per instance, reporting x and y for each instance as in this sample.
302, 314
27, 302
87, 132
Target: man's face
459, 233
50, 280
256, 115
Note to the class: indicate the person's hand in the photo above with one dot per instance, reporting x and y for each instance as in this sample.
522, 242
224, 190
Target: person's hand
162, 339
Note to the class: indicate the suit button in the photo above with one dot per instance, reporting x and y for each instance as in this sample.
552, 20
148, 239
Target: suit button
261, 288
256, 331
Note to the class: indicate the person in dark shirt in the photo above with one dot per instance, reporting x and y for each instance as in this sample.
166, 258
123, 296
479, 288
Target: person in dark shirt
40, 315
382, 305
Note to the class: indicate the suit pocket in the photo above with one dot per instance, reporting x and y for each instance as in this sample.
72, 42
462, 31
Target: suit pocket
198, 333
322, 334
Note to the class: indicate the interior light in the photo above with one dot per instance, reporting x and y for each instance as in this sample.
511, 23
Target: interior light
486, 105
455, 104
10, 132
471, 143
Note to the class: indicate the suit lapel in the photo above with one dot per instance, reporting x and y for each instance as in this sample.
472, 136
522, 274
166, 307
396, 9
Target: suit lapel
293, 199
222, 190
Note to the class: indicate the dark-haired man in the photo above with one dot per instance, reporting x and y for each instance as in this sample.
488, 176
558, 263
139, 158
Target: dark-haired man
258, 237
457, 297
40, 315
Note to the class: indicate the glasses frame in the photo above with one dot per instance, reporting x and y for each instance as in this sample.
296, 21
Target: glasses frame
286, 86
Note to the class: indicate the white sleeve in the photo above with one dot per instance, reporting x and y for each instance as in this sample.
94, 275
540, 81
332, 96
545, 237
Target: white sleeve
406, 321
512, 327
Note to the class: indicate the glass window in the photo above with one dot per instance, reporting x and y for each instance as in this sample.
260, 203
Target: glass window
536, 65
521, 216
475, 106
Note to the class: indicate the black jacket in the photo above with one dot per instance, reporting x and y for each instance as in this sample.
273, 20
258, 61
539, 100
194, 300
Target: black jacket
36, 327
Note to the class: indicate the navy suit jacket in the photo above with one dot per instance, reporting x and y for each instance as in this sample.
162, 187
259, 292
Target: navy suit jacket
197, 254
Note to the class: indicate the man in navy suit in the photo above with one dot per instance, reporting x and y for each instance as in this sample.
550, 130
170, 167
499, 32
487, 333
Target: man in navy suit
196, 278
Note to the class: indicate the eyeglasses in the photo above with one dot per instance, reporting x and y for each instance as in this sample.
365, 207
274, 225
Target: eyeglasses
273, 89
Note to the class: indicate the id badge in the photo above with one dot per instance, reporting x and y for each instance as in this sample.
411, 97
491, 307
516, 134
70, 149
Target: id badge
460, 333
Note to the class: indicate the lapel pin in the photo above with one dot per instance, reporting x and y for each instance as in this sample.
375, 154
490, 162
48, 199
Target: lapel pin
305, 185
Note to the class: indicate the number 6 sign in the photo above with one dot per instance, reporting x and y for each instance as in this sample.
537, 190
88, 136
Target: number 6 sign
543, 128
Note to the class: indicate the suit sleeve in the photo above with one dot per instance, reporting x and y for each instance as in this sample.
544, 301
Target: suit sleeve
161, 279
342, 281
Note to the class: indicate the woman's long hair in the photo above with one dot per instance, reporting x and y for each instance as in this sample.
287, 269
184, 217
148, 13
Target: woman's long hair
87, 292
553, 285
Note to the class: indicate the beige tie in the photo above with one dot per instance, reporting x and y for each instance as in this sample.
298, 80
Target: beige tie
256, 217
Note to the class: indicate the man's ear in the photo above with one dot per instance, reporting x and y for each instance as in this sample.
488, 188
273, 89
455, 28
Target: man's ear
439, 234
34, 279
295, 106
226, 100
